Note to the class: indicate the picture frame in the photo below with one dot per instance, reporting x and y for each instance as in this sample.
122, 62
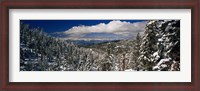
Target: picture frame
113, 4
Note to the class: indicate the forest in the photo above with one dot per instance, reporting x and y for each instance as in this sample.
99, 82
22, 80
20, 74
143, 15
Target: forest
157, 49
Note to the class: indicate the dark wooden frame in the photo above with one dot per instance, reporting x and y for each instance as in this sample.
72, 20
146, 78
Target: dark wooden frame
99, 4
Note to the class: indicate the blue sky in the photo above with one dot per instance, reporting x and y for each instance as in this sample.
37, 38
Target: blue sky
89, 29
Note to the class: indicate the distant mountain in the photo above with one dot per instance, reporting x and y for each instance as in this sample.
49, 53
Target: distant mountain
89, 42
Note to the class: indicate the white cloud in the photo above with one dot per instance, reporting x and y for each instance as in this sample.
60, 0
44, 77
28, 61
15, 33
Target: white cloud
122, 29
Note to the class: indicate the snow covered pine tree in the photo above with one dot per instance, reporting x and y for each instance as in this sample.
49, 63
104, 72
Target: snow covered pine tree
160, 48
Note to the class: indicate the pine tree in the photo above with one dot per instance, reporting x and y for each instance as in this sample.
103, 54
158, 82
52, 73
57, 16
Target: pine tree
169, 46
148, 46
160, 48
135, 63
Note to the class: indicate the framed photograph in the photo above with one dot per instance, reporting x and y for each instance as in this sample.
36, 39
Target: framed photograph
100, 45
